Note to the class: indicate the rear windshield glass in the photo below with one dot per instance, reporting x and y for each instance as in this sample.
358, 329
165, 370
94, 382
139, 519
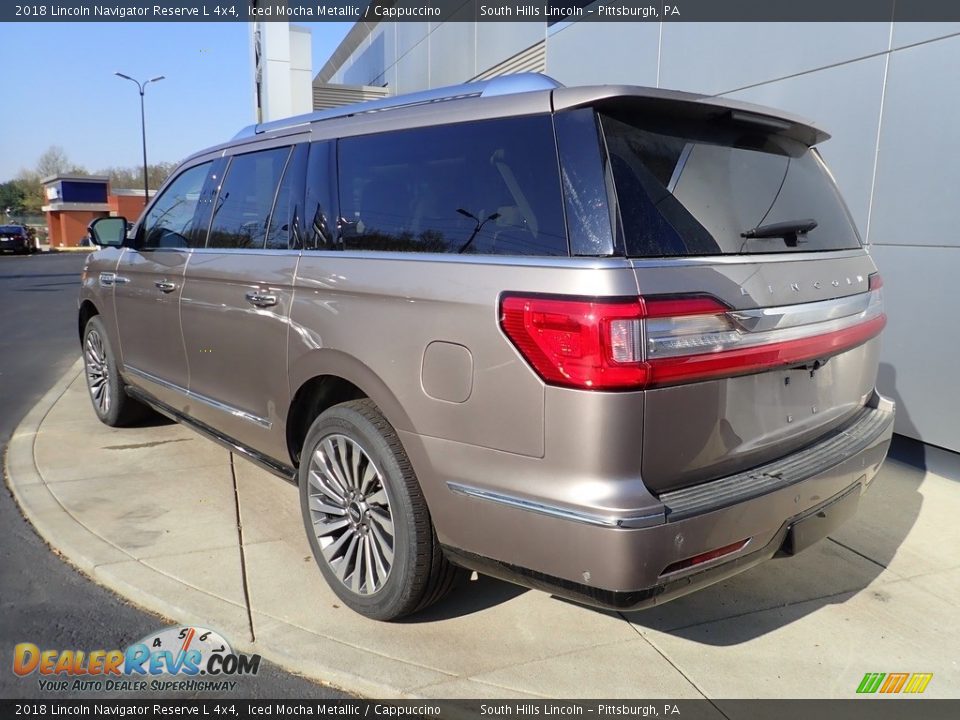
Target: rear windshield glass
690, 191
11, 229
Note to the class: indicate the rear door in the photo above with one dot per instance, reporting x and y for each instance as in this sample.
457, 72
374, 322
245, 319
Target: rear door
147, 287
761, 324
236, 299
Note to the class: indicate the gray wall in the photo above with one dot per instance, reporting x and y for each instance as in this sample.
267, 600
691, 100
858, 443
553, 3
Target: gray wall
889, 93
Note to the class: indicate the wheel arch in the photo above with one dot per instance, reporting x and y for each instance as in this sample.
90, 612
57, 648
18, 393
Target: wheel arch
87, 310
324, 378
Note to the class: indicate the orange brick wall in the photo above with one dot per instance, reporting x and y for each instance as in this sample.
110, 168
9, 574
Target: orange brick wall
128, 206
67, 228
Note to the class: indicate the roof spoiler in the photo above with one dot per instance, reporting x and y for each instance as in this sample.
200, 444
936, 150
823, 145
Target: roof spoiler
690, 106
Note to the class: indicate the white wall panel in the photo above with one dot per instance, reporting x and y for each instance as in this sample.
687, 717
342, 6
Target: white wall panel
452, 54
907, 33
592, 53
920, 347
714, 58
918, 173
497, 41
409, 34
413, 69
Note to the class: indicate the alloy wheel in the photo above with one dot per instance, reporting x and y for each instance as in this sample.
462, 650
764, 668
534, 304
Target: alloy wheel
98, 372
351, 515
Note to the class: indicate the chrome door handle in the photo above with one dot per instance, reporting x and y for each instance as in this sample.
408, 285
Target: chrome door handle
108, 279
166, 286
255, 297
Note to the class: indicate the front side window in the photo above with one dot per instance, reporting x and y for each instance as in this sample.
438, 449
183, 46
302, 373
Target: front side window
487, 187
170, 222
695, 189
241, 212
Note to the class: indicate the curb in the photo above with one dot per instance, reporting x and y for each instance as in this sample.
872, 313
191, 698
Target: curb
95, 557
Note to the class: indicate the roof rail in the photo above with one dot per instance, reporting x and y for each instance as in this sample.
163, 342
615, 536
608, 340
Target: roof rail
502, 85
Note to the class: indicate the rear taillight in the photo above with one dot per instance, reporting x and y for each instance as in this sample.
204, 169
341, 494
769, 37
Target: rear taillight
655, 341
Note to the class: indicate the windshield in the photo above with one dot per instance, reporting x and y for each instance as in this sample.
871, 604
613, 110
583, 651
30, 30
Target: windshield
687, 190
11, 229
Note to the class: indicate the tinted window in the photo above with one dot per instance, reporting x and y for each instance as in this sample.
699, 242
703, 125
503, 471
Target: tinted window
482, 187
283, 231
699, 194
11, 229
242, 209
170, 220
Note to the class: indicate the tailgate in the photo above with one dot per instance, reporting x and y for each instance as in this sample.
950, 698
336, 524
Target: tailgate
704, 429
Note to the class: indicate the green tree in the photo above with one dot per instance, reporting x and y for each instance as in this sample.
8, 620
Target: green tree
12, 197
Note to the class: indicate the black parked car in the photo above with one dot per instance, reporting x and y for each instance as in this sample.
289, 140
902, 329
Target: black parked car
15, 238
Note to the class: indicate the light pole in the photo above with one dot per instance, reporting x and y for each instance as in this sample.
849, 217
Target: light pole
143, 128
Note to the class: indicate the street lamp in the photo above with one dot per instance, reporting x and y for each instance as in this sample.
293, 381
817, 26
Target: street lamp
143, 127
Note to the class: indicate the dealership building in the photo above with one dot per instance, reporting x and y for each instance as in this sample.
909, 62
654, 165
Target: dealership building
887, 93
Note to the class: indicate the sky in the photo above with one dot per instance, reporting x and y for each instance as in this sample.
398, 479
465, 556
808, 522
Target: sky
60, 89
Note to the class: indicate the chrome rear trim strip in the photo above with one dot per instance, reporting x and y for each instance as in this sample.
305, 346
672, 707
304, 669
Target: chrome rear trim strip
784, 316
608, 521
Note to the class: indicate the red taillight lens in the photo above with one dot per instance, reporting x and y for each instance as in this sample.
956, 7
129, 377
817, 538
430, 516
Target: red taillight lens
586, 344
598, 344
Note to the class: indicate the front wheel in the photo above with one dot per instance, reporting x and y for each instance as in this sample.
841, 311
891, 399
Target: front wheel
366, 518
110, 401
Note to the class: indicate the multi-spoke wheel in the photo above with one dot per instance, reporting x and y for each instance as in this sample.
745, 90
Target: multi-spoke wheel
350, 511
110, 401
98, 372
366, 519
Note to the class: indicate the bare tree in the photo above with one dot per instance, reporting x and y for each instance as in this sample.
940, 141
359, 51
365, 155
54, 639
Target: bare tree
54, 161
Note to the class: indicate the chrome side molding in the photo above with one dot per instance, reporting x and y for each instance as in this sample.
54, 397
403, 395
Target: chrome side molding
210, 402
607, 521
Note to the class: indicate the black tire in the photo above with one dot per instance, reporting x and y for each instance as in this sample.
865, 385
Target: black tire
109, 398
419, 574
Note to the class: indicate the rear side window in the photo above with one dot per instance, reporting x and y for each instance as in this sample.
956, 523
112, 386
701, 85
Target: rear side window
241, 212
487, 187
703, 193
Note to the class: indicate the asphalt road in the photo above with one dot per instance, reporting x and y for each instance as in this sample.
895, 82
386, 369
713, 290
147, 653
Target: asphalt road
44, 600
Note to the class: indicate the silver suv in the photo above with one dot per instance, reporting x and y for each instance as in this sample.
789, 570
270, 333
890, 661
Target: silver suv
613, 342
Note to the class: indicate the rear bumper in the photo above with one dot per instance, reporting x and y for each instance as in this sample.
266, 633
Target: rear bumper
781, 507
14, 245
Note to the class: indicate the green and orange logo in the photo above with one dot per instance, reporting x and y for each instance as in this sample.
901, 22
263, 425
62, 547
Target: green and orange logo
890, 683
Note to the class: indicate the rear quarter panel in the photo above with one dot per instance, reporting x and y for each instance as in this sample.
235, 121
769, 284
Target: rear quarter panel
373, 315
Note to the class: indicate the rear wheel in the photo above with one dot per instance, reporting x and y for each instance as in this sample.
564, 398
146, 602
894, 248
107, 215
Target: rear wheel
110, 401
366, 518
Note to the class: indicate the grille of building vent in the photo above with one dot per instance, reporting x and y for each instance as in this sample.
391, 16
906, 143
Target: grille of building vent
331, 95
532, 59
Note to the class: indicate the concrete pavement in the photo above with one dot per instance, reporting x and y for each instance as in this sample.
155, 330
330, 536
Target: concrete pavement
153, 513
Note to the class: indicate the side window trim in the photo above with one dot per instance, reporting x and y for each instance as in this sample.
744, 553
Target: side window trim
325, 195
221, 165
276, 196
213, 211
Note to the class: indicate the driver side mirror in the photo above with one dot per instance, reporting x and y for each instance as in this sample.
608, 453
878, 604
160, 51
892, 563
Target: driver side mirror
109, 231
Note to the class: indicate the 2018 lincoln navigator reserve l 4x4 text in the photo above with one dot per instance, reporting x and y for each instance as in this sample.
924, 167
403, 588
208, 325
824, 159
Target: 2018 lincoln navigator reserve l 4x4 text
613, 342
